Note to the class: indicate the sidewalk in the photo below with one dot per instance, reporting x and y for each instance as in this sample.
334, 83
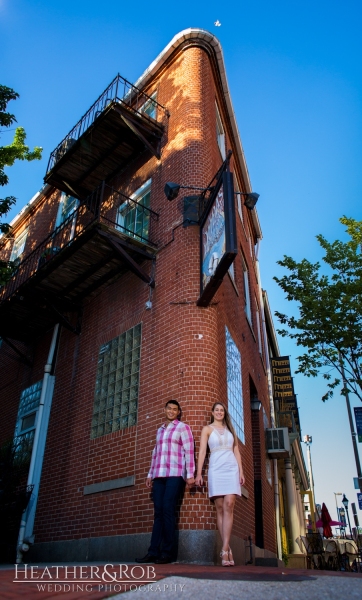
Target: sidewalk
175, 581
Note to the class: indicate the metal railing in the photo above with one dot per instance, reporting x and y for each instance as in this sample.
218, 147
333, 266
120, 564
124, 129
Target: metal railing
100, 206
119, 90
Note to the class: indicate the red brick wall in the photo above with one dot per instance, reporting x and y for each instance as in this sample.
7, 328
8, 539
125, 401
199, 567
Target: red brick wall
175, 363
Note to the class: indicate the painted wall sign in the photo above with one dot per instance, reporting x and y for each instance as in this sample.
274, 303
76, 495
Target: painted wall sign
217, 238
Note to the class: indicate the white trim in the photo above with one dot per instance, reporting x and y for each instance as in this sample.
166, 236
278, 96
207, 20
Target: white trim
142, 190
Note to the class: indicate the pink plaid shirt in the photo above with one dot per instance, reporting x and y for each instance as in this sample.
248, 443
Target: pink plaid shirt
173, 454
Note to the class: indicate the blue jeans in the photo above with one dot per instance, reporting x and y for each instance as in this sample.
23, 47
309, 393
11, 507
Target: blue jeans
166, 492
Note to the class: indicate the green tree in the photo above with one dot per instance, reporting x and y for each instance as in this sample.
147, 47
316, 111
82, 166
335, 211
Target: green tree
17, 150
329, 324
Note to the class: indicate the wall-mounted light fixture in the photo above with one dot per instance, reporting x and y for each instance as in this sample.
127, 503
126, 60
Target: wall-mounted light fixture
172, 191
255, 403
250, 199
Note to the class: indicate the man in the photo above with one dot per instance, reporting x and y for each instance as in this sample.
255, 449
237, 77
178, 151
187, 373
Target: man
172, 464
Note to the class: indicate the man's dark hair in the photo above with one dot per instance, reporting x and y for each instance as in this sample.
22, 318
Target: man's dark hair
173, 402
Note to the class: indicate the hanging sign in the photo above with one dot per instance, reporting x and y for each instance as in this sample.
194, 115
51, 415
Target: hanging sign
217, 238
342, 516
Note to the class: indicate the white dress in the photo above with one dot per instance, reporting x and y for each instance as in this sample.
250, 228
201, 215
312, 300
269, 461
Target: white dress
223, 475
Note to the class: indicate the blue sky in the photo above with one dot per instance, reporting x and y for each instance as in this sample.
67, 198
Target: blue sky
294, 71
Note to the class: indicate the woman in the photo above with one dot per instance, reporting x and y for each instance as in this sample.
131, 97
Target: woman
225, 473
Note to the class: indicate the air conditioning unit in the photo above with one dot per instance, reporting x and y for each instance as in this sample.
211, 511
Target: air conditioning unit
277, 441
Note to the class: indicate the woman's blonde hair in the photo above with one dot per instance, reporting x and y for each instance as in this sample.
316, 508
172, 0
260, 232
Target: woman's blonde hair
227, 420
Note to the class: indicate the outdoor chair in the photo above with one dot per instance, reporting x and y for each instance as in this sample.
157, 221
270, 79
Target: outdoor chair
332, 556
315, 552
359, 554
352, 554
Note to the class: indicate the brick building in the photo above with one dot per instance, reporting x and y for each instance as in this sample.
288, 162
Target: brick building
102, 321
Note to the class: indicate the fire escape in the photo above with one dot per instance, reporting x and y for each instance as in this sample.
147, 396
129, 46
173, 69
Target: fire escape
92, 247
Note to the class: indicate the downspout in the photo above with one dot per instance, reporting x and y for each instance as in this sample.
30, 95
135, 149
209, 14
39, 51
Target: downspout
34, 479
271, 401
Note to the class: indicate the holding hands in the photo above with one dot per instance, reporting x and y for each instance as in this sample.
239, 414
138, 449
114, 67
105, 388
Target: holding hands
199, 480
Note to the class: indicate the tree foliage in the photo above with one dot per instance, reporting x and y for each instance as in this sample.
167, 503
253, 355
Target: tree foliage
17, 150
329, 324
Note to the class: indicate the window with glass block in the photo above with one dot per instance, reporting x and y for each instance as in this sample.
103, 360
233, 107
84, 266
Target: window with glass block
116, 392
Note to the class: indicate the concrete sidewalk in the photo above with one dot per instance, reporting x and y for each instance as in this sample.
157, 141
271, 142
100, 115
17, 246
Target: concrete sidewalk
176, 581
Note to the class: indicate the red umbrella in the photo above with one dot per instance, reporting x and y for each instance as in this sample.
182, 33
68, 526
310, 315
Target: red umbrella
325, 522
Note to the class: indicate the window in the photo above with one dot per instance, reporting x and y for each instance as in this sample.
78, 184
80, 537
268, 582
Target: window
239, 198
133, 215
232, 272
258, 324
26, 420
19, 245
150, 107
116, 393
250, 244
234, 386
246, 290
220, 134
67, 206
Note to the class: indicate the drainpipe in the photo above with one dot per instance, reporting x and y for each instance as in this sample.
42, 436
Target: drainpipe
271, 401
36, 461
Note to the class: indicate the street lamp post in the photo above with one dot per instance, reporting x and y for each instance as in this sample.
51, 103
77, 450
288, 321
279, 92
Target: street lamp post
308, 440
353, 433
345, 504
335, 497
